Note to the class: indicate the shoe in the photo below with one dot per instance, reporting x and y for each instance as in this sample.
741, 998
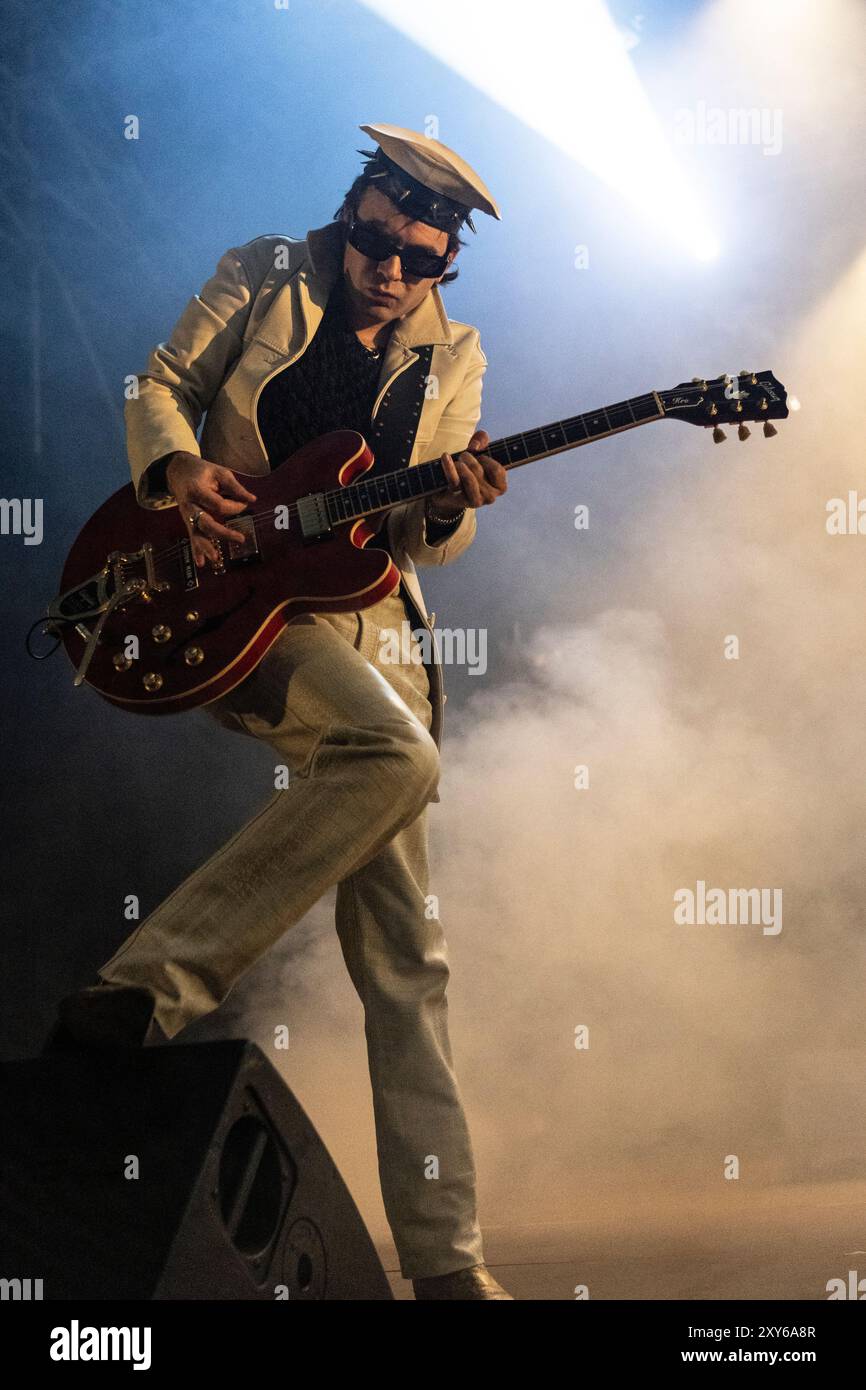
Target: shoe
104, 1015
474, 1282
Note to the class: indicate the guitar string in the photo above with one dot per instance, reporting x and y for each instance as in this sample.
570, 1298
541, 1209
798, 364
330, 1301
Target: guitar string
176, 548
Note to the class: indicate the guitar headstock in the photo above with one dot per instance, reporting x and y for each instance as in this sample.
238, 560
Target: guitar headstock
728, 400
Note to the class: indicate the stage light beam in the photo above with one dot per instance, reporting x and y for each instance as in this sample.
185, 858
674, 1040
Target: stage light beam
565, 71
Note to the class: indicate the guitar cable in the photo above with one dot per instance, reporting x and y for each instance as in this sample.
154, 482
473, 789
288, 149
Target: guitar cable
51, 628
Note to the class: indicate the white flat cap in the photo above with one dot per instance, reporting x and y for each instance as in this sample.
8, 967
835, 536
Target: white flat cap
438, 171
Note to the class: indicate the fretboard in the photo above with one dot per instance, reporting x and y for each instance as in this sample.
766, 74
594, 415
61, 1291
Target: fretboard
407, 484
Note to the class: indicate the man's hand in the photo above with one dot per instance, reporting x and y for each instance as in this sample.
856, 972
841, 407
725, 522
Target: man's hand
213, 492
476, 478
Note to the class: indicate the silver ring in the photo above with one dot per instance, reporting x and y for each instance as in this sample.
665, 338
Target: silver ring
194, 522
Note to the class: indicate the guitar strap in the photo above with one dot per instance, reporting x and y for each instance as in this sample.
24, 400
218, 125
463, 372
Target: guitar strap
395, 426
392, 439
392, 436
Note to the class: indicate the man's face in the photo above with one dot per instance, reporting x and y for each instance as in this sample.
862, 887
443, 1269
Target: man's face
383, 291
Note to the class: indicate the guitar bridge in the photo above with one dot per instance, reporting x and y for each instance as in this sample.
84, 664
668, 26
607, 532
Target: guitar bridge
95, 598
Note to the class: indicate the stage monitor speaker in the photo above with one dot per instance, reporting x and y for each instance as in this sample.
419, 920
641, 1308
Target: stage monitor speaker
172, 1172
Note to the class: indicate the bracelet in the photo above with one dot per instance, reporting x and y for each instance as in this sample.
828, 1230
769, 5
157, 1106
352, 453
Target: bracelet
444, 520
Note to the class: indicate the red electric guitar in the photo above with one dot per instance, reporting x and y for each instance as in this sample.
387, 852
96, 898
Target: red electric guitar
154, 634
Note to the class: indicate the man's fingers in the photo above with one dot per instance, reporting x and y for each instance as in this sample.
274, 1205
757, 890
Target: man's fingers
207, 492
481, 484
468, 483
451, 473
230, 486
478, 478
204, 531
213, 503
212, 506
209, 526
487, 468
202, 549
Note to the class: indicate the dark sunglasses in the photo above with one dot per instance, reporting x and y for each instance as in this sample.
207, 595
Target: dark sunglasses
415, 260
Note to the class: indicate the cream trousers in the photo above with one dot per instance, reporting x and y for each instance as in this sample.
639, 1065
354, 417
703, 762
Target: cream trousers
353, 729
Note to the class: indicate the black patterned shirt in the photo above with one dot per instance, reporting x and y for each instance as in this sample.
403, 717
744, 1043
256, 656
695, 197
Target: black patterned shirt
332, 386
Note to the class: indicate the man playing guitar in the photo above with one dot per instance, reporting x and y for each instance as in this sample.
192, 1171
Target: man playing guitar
288, 340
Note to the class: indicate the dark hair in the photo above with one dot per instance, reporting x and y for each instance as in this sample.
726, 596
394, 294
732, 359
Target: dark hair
393, 189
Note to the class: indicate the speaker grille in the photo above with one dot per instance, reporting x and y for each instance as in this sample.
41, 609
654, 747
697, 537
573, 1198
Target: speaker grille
252, 1194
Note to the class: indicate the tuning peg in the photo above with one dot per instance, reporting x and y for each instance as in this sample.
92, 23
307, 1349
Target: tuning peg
743, 432
718, 435
769, 430
699, 381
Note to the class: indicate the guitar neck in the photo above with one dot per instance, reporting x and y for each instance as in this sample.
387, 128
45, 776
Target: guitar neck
378, 494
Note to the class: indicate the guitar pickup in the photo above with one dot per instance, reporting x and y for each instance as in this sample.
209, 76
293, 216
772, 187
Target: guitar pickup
313, 516
237, 552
